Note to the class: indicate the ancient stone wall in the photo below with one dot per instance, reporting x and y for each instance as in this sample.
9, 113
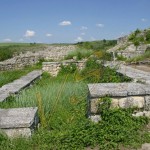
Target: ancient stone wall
54, 67
123, 95
133, 51
122, 40
29, 58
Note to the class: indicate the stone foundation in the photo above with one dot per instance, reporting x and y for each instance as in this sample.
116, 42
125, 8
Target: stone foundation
123, 95
54, 67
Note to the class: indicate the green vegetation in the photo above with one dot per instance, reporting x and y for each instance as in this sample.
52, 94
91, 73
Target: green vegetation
96, 49
79, 54
64, 125
148, 35
139, 36
7, 50
9, 76
98, 45
62, 108
121, 58
95, 72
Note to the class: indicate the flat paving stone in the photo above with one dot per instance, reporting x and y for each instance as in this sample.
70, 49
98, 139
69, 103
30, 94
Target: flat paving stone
19, 84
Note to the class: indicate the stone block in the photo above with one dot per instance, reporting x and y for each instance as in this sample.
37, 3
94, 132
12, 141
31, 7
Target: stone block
17, 85
147, 114
123, 103
19, 121
138, 114
95, 118
147, 102
138, 101
145, 146
94, 105
114, 103
130, 102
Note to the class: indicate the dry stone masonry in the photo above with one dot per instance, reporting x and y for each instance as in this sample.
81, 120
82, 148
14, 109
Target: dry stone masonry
128, 49
29, 58
123, 95
54, 67
19, 84
16, 122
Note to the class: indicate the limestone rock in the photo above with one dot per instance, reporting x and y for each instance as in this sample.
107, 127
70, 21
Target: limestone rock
19, 121
147, 102
94, 104
114, 103
145, 146
95, 118
138, 114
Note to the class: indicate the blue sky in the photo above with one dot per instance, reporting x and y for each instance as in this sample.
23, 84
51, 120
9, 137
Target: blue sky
69, 21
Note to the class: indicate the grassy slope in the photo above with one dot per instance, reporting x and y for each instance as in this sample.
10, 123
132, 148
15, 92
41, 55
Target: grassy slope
7, 50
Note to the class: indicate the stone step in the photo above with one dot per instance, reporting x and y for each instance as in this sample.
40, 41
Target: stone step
19, 84
16, 122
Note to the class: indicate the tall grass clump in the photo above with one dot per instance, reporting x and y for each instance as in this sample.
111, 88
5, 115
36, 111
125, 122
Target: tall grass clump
79, 54
60, 98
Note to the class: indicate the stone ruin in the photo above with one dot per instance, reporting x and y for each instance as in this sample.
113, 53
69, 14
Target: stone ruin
54, 53
54, 67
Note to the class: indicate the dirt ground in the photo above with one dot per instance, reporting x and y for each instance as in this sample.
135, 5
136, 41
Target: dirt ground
141, 67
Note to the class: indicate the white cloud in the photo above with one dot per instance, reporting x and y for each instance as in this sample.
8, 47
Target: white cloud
143, 20
84, 28
65, 23
100, 25
7, 40
79, 39
29, 33
49, 35
82, 33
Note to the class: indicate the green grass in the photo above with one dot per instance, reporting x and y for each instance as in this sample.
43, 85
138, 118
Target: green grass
62, 110
9, 76
7, 50
79, 54
65, 125
97, 45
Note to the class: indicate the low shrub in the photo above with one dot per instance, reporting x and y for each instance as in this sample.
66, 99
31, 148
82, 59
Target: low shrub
95, 72
69, 69
79, 54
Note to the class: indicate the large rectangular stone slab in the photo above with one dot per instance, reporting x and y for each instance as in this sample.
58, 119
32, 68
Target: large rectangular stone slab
117, 89
19, 119
19, 84
109, 89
